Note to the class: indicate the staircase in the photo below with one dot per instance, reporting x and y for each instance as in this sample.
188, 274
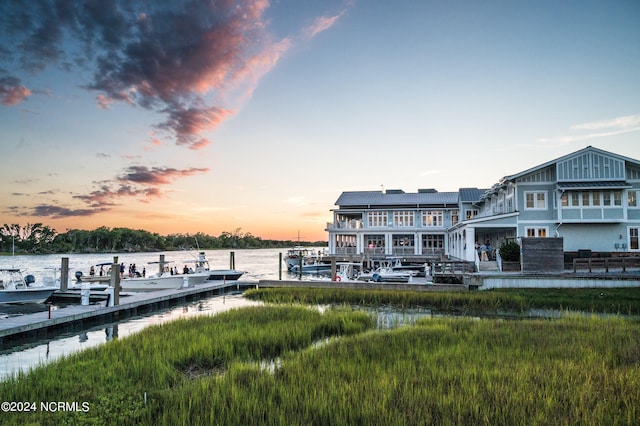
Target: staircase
490, 266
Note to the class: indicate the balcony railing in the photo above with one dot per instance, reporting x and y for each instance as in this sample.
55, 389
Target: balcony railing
361, 225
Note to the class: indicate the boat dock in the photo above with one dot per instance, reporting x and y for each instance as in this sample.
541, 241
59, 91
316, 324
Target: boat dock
131, 304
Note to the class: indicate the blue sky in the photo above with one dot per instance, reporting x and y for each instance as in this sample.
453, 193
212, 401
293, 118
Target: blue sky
257, 115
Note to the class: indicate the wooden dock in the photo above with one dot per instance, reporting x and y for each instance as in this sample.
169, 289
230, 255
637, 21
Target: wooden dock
131, 304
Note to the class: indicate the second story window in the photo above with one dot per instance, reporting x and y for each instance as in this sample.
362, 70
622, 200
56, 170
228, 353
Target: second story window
471, 214
454, 217
432, 218
403, 218
632, 198
377, 218
535, 200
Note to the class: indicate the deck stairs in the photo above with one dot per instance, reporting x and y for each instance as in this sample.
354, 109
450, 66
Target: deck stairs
489, 266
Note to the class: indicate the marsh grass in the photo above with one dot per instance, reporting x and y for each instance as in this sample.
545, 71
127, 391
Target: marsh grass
115, 377
614, 300
573, 370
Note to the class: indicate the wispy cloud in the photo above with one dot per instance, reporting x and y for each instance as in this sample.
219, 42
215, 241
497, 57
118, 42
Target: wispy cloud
621, 123
596, 129
321, 24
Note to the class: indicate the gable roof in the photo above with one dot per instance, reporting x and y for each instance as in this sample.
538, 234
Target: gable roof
564, 157
378, 198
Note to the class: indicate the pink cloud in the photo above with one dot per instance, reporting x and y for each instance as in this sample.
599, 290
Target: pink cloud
12, 92
321, 24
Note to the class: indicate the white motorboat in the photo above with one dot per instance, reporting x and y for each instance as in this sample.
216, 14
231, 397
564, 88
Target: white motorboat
16, 288
311, 266
388, 271
165, 281
202, 266
293, 255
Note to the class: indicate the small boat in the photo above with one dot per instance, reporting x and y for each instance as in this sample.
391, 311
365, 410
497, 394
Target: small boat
16, 288
153, 282
202, 266
388, 271
311, 265
293, 255
310, 259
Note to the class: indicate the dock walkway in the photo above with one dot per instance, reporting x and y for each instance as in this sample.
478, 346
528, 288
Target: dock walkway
130, 304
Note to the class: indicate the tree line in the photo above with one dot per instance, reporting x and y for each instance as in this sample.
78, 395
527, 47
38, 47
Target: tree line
38, 238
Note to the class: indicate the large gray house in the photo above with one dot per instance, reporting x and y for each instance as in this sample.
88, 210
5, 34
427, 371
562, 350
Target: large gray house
589, 197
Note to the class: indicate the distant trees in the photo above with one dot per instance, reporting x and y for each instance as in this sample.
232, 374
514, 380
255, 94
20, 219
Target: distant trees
39, 238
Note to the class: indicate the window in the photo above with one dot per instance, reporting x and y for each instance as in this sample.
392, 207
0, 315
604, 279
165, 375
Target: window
454, 217
536, 232
564, 199
377, 218
403, 218
432, 241
606, 198
633, 239
585, 199
471, 214
575, 199
632, 198
596, 198
536, 200
617, 198
432, 218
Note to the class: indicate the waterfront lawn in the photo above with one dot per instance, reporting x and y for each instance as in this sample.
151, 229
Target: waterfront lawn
575, 370
602, 300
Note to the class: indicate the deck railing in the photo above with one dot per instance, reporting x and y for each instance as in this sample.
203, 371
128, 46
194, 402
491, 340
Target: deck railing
606, 263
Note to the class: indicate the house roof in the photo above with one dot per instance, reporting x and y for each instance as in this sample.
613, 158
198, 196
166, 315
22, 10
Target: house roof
581, 151
379, 198
470, 195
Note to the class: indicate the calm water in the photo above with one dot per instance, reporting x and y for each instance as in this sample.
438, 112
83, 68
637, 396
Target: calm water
257, 265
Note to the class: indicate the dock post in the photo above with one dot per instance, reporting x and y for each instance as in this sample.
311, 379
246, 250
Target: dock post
115, 281
280, 267
300, 267
232, 260
333, 268
64, 274
161, 265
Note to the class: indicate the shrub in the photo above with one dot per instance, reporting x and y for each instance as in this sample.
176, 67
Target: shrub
510, 251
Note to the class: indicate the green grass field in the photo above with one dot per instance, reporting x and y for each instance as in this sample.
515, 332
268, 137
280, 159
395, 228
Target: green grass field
294, 365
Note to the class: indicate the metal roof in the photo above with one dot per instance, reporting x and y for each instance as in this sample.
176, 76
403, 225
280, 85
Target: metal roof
469, 195
605, 184
378, 198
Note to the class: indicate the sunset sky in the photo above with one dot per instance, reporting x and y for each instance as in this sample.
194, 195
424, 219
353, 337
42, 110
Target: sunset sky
209, 116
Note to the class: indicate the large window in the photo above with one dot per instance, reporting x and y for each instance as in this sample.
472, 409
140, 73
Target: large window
432, 241
403, 218
377, 218
592, 198
454, 217
432, 218
632, 198
535, 200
